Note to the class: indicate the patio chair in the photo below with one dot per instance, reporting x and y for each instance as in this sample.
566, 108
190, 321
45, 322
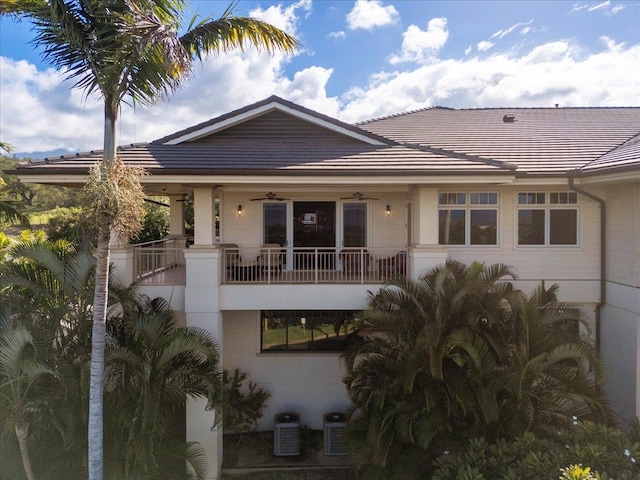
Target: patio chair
270, 258
392, 266
354, 260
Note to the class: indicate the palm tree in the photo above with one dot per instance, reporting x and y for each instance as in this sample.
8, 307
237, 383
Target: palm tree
458, 354
551, 372
153, 367
119, 49
8, 213
46, 290
23, 390
423, 367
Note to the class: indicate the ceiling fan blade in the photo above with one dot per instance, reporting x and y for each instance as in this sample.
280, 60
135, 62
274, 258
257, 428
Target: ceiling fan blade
358, 196
270, 196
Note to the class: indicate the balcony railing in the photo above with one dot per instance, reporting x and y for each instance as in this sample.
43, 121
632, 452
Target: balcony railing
274, 265
162, 263
159, 263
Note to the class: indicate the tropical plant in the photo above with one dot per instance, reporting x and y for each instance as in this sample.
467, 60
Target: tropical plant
154, 366
119, 49
461, 354
46, 289
606, 452
9, 212
549, 376
23, 389
243, 402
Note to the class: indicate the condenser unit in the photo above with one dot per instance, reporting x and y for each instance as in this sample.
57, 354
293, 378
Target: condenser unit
286, 434
334, 423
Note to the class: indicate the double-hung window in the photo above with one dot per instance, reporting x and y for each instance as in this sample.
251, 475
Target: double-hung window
468, 218
547, 218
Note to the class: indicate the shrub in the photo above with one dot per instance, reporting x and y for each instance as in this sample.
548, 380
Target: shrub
607, 452
243, 402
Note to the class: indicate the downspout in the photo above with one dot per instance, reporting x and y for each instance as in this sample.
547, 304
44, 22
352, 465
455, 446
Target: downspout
603, 261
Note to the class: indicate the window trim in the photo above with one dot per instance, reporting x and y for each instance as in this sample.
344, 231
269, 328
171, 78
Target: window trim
468, 207
547, 206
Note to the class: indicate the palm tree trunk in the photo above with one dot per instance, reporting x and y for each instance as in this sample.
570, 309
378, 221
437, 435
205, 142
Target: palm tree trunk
22, 430
99, 328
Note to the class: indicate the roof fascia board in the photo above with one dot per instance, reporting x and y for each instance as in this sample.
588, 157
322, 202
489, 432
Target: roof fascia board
286, 180
242, 117
602, 177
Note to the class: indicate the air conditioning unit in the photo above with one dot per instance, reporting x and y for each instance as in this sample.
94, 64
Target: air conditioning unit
334, 423
286, 434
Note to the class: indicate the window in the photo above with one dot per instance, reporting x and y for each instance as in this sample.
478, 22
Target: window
547, 218
468, 218
306, 330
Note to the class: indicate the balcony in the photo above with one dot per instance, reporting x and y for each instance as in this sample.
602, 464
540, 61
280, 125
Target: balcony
162, 263
278, 265
159, 263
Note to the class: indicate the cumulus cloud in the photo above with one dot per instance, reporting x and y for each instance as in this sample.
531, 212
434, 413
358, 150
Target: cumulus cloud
422, 46
546, 75
370, 14
41, 113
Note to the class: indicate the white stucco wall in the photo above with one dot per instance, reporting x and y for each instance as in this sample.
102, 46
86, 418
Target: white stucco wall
621, 316
307, 383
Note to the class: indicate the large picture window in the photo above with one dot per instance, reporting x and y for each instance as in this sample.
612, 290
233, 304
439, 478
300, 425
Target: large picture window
306, 330
547, 218
468, 218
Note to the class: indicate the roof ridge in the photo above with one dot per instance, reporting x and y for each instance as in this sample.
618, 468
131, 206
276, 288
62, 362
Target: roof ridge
400, 114
461, 156
629, 141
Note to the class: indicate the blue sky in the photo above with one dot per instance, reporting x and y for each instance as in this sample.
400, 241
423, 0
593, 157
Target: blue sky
360, 60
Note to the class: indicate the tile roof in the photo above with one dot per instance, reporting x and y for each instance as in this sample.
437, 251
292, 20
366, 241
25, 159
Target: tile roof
203, 159
537, 140
277, 137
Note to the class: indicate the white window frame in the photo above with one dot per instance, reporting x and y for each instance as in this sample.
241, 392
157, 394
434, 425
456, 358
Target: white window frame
468, 207
564, 200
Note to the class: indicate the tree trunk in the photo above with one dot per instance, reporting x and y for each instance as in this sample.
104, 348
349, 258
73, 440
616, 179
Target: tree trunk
22, 430
99, 328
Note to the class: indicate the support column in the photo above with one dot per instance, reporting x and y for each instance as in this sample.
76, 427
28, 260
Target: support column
121, 257
176, 216
425, 253
202, 311
204, 212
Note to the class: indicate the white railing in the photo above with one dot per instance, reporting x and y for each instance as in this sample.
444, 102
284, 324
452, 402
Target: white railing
160, 262
311, 265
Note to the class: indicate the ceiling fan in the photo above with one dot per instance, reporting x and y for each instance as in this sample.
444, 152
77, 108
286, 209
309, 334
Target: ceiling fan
358, 196
270, 196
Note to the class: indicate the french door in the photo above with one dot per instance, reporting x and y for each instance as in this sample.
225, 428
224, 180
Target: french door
314, 226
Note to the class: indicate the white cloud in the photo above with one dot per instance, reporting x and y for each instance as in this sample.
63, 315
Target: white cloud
604, 7
341, 35
41, 113
370, 14
506, 31
285, 18
484, 45
422, 46
531, 80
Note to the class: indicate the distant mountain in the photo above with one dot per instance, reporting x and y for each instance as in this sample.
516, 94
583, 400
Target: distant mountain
48, 154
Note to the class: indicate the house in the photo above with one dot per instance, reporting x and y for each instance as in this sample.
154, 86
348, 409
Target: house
299, 215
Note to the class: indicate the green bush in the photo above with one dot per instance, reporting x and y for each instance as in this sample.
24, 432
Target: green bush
243, 402
608, 452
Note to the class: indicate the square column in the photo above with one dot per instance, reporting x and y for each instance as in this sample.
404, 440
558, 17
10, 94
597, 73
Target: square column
202, 311
425, 252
